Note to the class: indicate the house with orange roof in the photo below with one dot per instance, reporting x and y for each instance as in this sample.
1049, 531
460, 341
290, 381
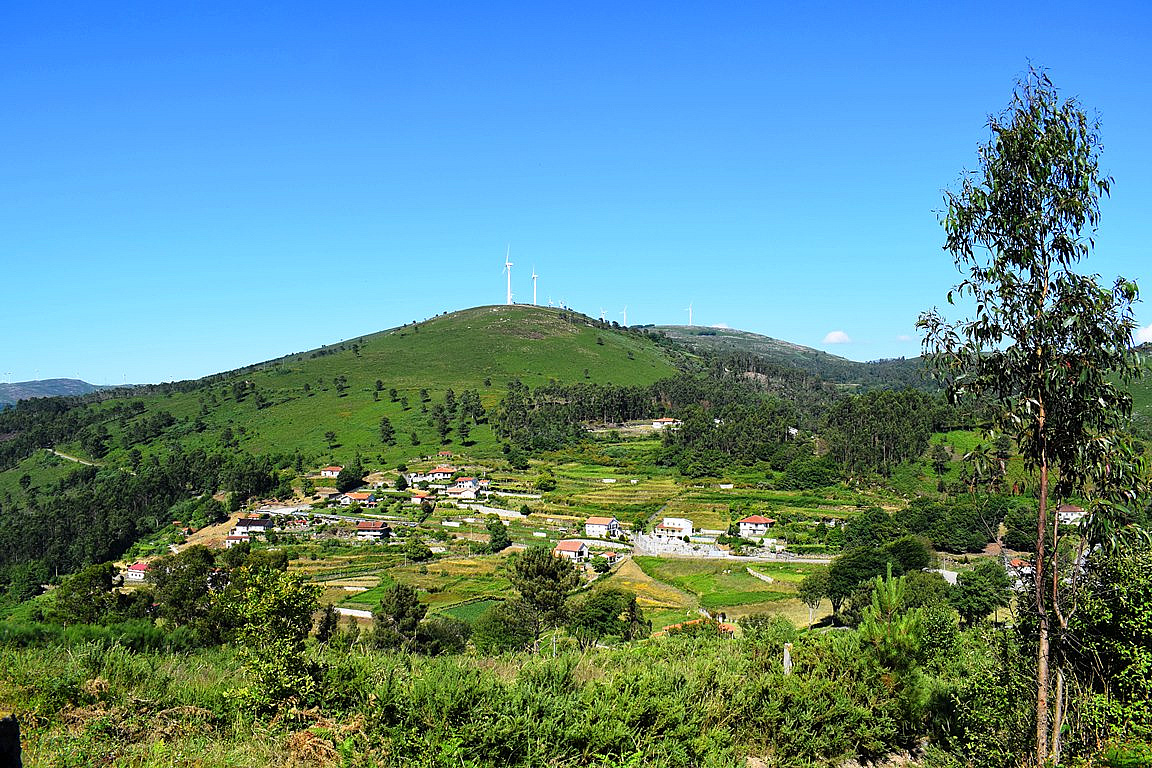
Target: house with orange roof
755, 525
371, 530
576, 551
673, 528
363, 498
602, 527
665, 422
330, 471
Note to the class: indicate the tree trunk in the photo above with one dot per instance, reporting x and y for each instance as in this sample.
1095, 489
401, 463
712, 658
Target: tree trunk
1057, 718
1042, 624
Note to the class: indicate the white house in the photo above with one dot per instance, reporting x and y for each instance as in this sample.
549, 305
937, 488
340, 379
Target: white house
136, 572
467, 482
602, 527
251, 525
754, 525
232, 541
330, 471
362, 498
665, 422
441, 473
1069, 514
673, 528
371, 530
576, 551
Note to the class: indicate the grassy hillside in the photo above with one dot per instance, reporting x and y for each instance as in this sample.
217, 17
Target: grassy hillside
898, 372
288, 405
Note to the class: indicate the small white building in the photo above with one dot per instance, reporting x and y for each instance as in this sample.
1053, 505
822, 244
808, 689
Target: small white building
461, 494
252, 525
362, 498
602, 527
755, 525
576, 551
1070, 514
441, 473
330, 471
673, 528
136, 572
234, 540
665, 422
371, 530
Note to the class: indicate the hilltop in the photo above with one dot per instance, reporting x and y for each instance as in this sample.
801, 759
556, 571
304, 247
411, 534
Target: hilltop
288, 404
831, 368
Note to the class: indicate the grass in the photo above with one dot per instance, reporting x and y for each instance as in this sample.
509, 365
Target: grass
442, 583
469, 611
44, 470
460, 351
728, 586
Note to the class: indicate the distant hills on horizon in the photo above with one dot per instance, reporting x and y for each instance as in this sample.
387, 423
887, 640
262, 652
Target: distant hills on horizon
23, 390
829, 367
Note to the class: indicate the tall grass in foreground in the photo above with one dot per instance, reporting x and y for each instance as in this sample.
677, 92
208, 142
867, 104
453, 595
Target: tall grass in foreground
675, 701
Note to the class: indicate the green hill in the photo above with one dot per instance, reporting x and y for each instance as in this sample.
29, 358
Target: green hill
839, 370
287, 405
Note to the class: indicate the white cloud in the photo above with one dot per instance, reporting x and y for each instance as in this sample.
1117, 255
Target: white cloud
1144, 335
837, 337
721, 325
903, 337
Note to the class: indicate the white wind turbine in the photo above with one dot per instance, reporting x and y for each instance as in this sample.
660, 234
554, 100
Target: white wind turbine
508, 270
625, 314
534, 276
689, 313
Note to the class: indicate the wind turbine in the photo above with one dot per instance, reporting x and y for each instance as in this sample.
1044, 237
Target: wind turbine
689, 313
625, 313
508, 270
534, 276
601, 314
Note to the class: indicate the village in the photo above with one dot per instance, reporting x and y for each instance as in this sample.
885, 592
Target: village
442, 507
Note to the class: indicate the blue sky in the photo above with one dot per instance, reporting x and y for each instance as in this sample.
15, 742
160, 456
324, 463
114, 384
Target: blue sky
190, 187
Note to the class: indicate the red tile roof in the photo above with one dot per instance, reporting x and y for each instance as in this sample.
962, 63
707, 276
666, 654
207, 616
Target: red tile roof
139, 567
599, 520
570, 546
757, 520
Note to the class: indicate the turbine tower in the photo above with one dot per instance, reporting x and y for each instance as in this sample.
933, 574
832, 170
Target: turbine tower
534, 276
601, 314
508, 270
625, 313
689, 313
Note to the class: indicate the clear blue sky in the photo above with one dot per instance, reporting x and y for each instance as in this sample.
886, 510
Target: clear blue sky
190, 187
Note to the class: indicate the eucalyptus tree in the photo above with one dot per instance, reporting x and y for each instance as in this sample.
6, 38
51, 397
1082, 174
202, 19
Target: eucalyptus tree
1047, 347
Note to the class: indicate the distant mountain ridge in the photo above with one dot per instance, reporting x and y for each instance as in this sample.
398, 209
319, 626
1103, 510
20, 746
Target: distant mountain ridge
898, 372
24, 390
